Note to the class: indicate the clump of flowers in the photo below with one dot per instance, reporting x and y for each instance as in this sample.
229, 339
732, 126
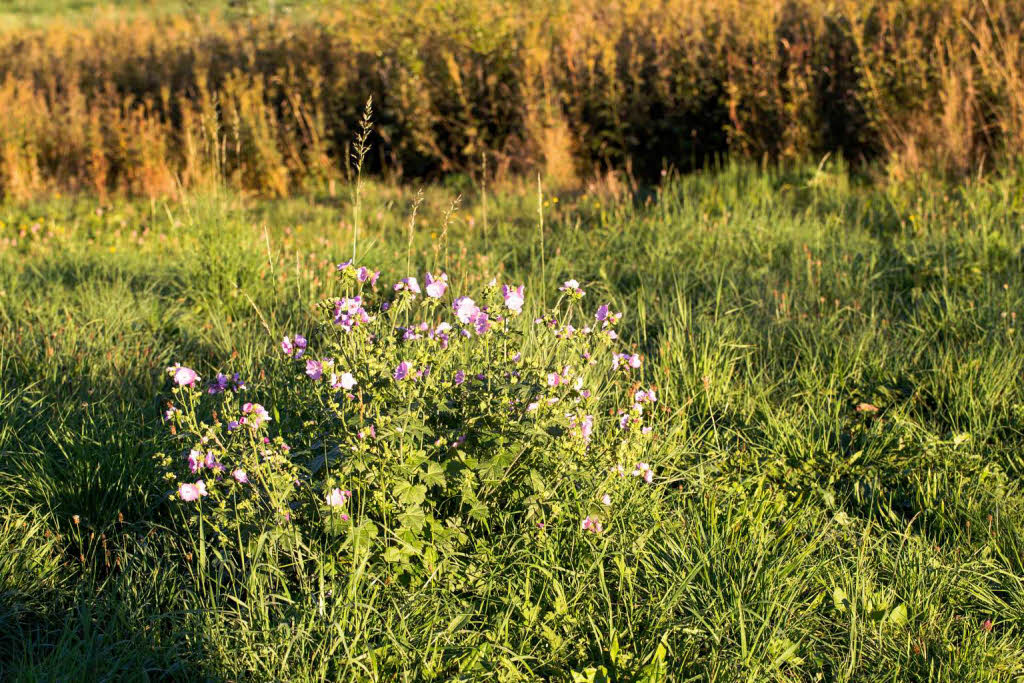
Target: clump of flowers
414, 418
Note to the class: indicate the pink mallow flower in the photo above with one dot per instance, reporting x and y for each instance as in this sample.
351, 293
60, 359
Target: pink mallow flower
294, 348
572, 287
240, 476
626, 360
364, 274
481, 323
349, 313
196, 461
338, 498
591, 524
644, 470
436, 287
409, 283
587, 428
182, 376
465, 309
645, 396
254, 415
192, 492
314, 369
513, 297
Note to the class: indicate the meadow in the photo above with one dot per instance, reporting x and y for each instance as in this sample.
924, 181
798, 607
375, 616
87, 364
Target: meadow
835, 488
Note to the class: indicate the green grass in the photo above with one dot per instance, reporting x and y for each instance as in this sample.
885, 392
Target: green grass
796, 538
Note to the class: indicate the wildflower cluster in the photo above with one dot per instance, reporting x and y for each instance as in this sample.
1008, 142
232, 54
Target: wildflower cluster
418, 418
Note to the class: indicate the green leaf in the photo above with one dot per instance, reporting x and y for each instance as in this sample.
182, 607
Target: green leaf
479, 511
413, 518
409, 493
434, 475
537, 481
363, 534
493, 469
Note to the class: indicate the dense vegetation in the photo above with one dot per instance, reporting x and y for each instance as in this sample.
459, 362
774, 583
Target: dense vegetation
149, 101
836, 489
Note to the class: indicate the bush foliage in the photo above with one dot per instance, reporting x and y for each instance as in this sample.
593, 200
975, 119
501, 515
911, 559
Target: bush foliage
149, 104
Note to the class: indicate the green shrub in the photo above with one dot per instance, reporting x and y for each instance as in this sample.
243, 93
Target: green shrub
414, 428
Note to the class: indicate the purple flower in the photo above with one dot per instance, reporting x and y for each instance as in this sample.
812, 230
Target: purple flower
402, 371
481, 323
233, 425
219, 384
195, 461
364, 275
460, 377
349, 313
314, 369
440, 333
602, 313
465, 309
408, 283
513, 297
294, 348
183, 376
436, 287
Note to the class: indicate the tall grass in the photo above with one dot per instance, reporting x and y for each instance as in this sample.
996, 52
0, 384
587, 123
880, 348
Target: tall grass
150, 103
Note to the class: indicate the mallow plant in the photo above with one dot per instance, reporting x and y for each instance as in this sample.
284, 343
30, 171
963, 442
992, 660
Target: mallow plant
414, 422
